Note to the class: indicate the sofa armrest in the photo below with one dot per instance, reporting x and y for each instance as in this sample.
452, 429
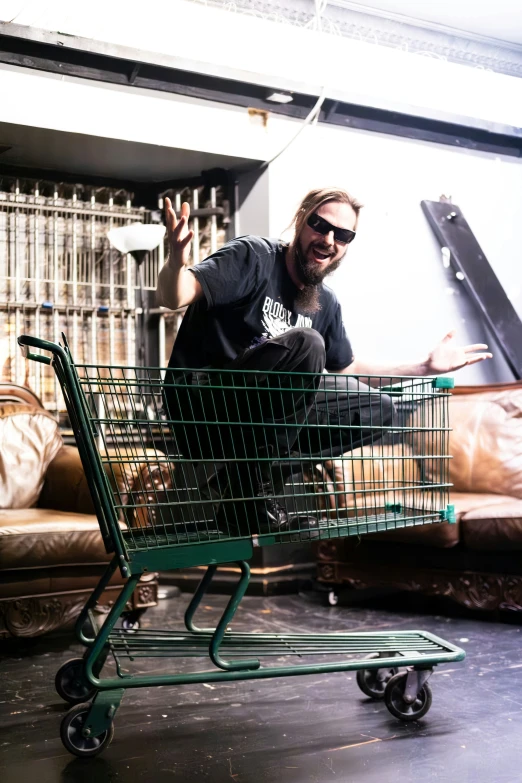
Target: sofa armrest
66, 488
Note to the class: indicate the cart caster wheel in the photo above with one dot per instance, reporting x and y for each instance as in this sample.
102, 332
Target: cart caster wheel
130, 625
372, 682
73, 739
394, 699
333, 598
130, 621
71, 683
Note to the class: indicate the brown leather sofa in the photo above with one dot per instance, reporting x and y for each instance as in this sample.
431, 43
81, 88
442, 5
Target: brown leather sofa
51, 551
476, 562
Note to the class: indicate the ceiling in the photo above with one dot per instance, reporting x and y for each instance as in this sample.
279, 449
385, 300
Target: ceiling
94, 156
501, 19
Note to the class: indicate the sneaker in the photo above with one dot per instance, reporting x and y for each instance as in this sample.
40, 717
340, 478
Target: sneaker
272, 517
264, 515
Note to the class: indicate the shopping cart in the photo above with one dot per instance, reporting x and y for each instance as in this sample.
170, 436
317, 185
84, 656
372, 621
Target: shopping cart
216, 463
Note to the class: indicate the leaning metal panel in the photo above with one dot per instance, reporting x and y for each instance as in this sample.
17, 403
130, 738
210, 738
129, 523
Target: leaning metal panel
478, 278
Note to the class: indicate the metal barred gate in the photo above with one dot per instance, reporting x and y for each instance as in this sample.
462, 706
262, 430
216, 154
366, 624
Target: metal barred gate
59, 273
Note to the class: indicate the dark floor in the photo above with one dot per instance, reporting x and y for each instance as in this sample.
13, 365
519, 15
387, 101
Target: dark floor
295, 730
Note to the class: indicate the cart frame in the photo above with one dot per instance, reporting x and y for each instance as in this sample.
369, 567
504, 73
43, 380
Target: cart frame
87, 728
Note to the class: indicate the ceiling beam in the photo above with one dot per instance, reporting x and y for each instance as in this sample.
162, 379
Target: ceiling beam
115, 65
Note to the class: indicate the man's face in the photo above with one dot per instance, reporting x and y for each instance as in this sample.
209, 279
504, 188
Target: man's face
319, 255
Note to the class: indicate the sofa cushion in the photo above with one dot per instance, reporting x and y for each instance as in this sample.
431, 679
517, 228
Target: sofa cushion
40, 537
494, 526
486, 442
29, 440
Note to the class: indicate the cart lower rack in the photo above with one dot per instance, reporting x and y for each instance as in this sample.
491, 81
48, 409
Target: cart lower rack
196, 468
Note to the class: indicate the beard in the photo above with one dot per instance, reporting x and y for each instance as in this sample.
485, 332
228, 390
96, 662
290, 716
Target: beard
307, 298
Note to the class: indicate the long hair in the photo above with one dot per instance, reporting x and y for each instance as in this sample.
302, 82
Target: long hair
316, 198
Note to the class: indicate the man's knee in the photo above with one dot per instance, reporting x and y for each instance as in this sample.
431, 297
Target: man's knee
309, 340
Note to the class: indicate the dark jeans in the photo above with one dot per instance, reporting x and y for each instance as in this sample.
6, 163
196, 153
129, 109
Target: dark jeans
307, 414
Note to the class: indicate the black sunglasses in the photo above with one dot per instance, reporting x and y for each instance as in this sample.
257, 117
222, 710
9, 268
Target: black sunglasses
322, 226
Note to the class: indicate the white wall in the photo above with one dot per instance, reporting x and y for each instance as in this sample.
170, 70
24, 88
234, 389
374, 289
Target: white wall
66, 103
397, 299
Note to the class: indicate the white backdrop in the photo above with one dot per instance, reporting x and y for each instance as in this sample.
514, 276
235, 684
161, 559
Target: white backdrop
397, 298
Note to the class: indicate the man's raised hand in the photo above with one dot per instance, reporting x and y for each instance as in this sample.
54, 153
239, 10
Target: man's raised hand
179, 234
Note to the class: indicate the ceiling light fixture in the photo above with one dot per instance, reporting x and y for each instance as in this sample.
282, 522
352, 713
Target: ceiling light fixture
279, 97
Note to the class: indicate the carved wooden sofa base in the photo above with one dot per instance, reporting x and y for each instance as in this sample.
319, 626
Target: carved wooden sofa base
34, 615
485, 587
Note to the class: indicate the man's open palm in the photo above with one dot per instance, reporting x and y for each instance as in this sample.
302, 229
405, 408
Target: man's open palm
448, 356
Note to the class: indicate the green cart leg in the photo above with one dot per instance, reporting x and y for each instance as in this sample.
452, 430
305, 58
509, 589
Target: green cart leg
219, 632
196, 600
98, 650
222, 626
85, 614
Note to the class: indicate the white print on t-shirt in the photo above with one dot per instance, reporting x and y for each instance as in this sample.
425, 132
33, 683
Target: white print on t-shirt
277, 319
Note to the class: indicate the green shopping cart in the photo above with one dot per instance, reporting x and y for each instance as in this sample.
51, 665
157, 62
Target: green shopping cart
197, 468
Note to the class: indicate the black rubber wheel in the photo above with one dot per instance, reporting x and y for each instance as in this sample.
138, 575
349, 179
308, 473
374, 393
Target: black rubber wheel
130, 625
372, 682
130, 621
73, 739
394, 699
71, 683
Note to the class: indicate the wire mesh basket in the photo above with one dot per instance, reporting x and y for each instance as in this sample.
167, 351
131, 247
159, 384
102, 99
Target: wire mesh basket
214, 455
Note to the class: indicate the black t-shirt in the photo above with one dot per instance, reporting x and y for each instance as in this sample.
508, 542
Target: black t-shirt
249, 297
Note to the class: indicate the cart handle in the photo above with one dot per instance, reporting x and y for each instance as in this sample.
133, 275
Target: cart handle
25, 341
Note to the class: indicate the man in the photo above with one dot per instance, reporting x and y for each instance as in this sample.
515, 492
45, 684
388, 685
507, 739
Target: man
260, 305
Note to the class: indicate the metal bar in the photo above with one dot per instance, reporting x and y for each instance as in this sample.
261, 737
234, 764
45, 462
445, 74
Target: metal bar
74, 265
163, 359
16, 256
129, 341
56, 293
94, 335
111, 292
56, 268
38, 367
17, 272
82, 208
195, 602
207, 211
269, 671
213, 222
131, 297
64, 307
56, 337
19, 369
